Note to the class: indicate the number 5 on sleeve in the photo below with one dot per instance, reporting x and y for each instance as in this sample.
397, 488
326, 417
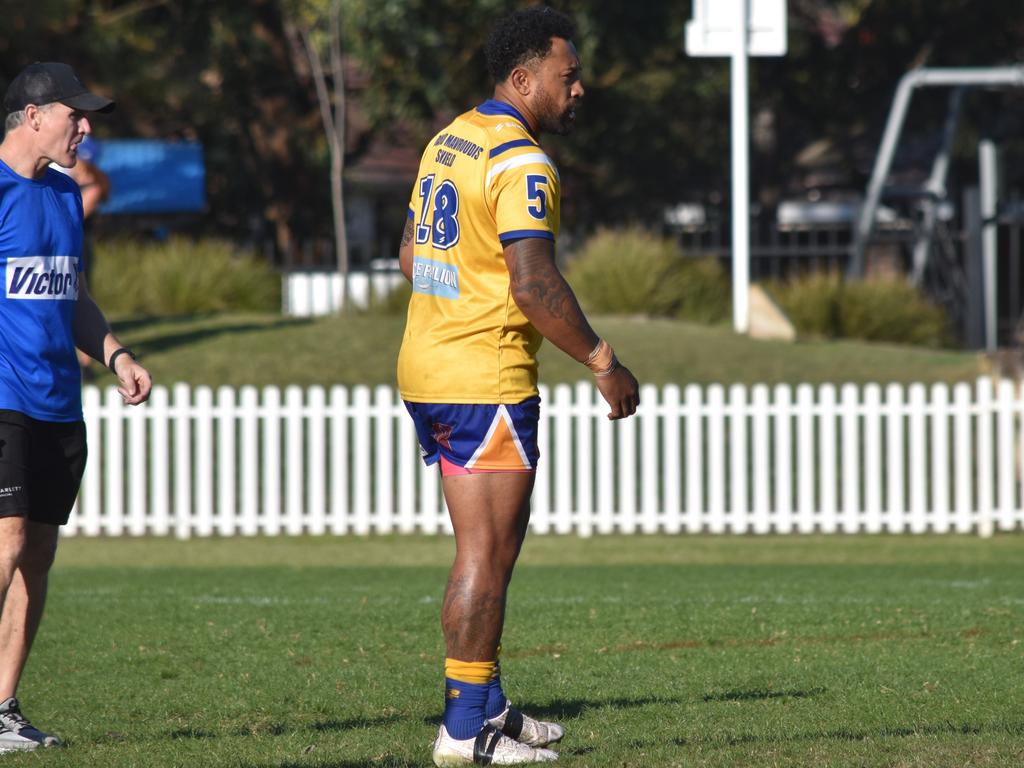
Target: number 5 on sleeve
538, 198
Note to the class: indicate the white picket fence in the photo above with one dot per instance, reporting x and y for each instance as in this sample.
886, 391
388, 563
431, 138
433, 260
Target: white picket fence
310, 293
740, 460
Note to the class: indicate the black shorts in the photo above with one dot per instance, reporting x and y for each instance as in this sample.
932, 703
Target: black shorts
41, 466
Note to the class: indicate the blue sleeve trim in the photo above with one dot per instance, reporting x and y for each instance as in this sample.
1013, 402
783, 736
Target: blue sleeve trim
519, 234
411, 214
512, 145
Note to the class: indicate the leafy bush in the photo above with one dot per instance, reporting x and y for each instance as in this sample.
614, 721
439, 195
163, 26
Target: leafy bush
706, 292
890, 311
395, 302
633, 271
821, 304
811, 302
181, 277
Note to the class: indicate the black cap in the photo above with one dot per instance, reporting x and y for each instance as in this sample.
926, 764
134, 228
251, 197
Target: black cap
49, 81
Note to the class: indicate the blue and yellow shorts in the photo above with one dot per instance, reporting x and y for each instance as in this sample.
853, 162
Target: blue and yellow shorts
468, 438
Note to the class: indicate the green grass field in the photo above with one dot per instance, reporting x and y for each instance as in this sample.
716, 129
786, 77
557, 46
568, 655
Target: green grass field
362, 349
653, 651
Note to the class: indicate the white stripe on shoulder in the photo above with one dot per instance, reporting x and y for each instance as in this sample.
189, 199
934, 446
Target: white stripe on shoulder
517, 162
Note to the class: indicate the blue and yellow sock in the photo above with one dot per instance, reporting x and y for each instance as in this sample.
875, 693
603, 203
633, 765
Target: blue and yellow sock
496, 699
466, 690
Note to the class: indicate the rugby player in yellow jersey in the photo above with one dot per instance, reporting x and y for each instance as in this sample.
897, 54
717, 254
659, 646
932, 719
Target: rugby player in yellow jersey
479, 249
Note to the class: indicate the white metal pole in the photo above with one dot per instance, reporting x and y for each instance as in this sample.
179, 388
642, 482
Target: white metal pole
988, 173
740, 173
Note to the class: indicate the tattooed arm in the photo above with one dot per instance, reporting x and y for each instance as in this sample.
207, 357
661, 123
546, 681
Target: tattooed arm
548, 302
546, 299
405, 251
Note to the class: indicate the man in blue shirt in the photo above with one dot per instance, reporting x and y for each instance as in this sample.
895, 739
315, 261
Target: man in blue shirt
45, 312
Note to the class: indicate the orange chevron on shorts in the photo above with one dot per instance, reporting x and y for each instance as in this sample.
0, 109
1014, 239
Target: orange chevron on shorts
501, 448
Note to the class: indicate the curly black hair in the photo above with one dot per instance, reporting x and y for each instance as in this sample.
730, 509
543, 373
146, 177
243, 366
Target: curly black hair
522, 36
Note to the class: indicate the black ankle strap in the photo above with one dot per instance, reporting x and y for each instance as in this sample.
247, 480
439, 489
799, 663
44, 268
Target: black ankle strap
485, 744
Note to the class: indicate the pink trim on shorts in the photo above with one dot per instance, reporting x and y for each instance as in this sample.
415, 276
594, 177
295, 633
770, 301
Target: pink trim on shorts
451, 469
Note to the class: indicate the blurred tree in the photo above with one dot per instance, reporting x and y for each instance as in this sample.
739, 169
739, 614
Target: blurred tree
650, 124
314, 22
221, 73
653, 130
654, 126
225, 74
423, 57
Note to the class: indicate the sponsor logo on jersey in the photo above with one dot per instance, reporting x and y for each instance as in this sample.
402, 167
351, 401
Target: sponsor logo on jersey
9, 491
45, 278
435, 278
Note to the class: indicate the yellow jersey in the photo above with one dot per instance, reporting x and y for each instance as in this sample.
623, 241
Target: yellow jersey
483, 182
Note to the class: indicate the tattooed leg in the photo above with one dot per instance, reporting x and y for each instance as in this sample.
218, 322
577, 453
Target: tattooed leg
489, 513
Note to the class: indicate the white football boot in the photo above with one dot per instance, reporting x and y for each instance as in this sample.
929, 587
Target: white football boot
17, 733
489, 747
526, 730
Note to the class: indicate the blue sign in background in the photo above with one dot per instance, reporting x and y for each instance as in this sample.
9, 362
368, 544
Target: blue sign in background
148, 176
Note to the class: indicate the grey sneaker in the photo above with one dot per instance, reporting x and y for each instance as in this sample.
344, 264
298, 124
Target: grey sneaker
526, 730
17, 733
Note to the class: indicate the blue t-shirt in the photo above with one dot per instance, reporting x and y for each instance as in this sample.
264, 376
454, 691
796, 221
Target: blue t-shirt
40, 261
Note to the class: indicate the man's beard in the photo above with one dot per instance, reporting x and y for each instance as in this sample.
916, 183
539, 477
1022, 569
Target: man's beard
550, 119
